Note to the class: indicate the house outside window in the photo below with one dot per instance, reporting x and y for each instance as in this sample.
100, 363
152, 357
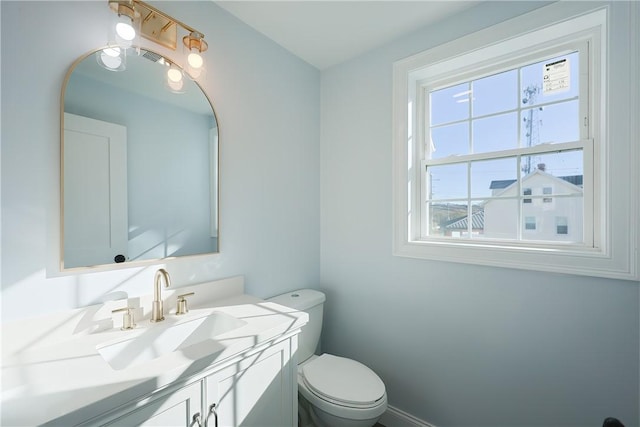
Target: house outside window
501, 223
506, 125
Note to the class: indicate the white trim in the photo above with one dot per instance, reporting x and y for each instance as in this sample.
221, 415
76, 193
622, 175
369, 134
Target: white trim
214, 173
394, 417
615, 254
634, 157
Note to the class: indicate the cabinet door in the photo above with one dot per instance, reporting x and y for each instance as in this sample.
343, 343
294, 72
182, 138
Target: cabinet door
258, 391
174, 408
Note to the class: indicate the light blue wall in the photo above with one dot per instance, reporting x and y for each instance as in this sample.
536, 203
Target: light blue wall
458, 345
267, 103
455, 344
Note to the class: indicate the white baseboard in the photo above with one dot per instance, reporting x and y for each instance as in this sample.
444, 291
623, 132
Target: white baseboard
394, 417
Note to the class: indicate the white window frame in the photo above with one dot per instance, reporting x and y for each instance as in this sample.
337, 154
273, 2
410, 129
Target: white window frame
451, 76
611, 254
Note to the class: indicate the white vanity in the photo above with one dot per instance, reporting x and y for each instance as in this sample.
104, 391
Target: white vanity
229, 361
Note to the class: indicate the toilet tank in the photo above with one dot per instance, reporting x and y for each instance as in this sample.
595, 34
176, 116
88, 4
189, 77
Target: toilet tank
311, 302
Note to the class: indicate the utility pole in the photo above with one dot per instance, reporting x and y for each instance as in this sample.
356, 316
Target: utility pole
531, 122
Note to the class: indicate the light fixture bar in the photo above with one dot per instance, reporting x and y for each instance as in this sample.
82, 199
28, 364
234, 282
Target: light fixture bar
159, 27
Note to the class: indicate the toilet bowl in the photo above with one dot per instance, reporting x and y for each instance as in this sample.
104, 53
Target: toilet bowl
333, 391
340, 392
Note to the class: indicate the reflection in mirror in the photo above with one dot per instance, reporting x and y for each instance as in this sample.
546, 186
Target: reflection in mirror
139, 165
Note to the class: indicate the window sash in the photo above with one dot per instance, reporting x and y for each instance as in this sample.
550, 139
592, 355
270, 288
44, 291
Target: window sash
585, 143
614, 233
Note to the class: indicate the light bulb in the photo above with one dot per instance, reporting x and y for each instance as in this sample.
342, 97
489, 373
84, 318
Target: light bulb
112, 62
111, 58
111, 51
125, 33
195, 60
174, 75
174, 81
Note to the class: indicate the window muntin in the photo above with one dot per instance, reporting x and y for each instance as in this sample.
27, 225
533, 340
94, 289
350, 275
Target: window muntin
485, 142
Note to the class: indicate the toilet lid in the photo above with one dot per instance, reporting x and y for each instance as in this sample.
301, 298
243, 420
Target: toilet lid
343, 380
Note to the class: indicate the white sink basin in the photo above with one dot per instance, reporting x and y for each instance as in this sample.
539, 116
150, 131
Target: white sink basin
159, 340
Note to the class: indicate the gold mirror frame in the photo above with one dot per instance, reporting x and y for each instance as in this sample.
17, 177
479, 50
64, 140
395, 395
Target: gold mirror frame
166, 240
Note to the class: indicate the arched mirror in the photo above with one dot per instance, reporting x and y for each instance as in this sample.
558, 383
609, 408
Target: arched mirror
139, 165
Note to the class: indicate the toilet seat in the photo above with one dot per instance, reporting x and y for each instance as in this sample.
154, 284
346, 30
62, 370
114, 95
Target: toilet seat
343, 381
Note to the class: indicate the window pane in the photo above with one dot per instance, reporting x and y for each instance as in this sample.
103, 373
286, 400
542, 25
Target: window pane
449, 140
495, 133
478, 117
530, 223
477, 218
560, 221
447, 182
495, 93
558, 175
493, 177
445, 218
501, 219
562, 74
562, 225
567, 166
550, 124
450, 104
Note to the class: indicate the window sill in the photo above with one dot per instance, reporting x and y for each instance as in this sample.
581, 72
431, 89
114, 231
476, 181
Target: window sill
582, 262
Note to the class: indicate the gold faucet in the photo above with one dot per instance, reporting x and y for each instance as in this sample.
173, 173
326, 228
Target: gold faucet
157, 312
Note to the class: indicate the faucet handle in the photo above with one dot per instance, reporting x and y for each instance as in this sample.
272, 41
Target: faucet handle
182, 303
127, 318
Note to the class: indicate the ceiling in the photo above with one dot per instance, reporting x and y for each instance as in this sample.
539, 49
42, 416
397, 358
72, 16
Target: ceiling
325, 33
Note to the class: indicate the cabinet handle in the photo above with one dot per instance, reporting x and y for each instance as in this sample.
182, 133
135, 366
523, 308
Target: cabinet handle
196, 420
212, 410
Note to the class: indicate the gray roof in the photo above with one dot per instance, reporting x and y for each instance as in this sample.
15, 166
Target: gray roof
504, 183
477, 222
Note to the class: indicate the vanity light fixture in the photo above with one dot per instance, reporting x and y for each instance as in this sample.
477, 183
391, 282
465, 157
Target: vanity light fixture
135, 17
194, 45
124, 22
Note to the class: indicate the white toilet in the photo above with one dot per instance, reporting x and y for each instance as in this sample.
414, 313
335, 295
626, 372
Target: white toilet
332, 391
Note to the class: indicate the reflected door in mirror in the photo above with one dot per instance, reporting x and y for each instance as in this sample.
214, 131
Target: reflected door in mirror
95, 195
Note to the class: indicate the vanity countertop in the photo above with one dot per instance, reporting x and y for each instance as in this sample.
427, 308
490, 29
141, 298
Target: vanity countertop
53, 374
